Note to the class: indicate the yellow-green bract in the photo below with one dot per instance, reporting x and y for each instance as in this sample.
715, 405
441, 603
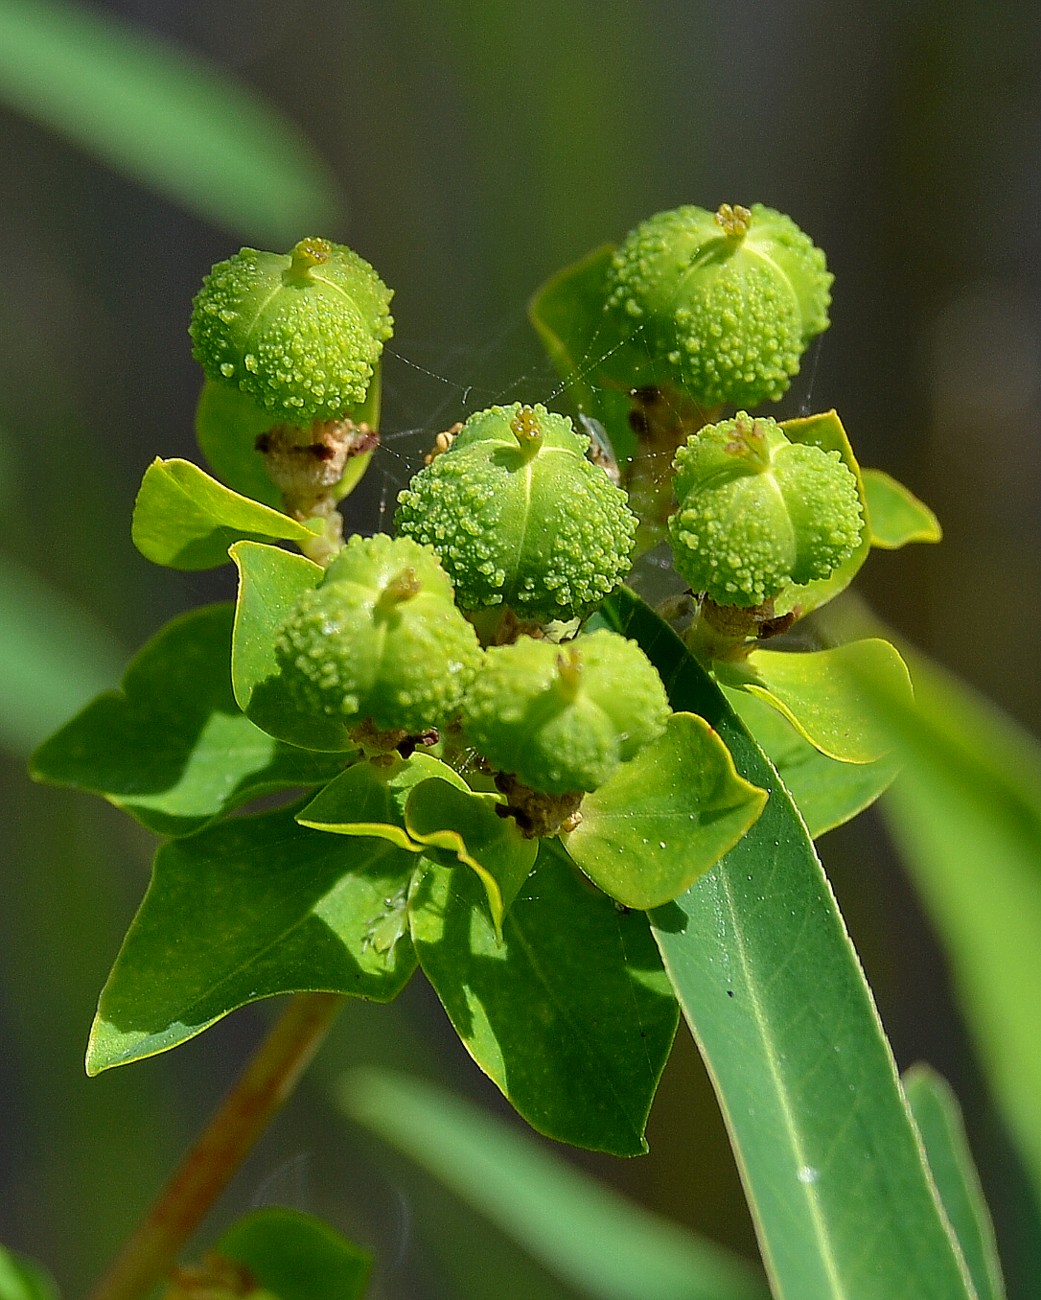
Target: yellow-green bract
299, 332
520, 517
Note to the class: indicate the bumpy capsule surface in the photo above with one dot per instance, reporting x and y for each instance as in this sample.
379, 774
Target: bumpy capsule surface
562, 717
725, 303
758, 512
380, 639
520, 516
299, 332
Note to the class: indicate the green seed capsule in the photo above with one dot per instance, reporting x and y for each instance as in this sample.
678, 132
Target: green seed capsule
724, 303
562, 717
380, 640
520, 516
758, 512
299, 332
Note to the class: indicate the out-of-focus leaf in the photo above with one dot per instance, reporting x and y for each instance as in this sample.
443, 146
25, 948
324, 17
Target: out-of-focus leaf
758, 955
172, 748
895, 515
938, 1116
569, 1014
54, 656
295, 1256
245, 909
22, 1279
165, 117
584, 1232
665, 817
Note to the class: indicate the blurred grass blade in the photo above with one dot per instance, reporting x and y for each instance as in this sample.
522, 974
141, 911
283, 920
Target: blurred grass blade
21, 1279
55, 657
165, 118
585, 1233
938, 1116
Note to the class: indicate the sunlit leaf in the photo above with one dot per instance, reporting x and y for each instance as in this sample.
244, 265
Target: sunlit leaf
295, 1256
22, 1279
895, 515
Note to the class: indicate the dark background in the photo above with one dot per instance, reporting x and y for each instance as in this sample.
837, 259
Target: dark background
479, 147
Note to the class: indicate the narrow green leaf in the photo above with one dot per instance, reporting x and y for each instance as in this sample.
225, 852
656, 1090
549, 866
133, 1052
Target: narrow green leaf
938, 1116
186, 520
774, 995
243, 910
821, 695
895, 515
172, 748
584, 1232
271, 581
664, 818
23, 1279
570, 1014
295, 1256
164, 117
826, 792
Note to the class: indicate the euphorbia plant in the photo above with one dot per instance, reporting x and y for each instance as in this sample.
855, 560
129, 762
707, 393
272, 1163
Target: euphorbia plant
498, 764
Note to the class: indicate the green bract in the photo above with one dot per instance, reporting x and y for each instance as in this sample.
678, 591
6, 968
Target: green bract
724, 303
562, 717
300, 332
380, 639
520, 517
757, 512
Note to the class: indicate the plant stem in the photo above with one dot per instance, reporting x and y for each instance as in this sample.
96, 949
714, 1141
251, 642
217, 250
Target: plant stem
263, 1087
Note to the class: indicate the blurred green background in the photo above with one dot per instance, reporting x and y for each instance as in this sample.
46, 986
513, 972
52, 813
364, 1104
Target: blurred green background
468, 151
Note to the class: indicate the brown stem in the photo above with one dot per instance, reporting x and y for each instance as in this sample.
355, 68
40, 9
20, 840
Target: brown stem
266, 1083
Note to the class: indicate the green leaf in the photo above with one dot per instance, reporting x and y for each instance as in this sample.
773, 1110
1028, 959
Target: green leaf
23, 1279
271, 581
570, 1015
296, 1256
243, 910
821, 695
186, 520
584, 1232
172, 747
826, 792
895, 515
664, 818
938, 1116
775, 997
164, 117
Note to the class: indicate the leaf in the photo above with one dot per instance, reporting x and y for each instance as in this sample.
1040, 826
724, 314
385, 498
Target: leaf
821, 695
243, 910
664, 818
938, 1116
164, 117
758, 955
186, 520
172, 747
271, 581
895, 515
23, 1279
584, 1232
826, 792
295, 1256
570, 1015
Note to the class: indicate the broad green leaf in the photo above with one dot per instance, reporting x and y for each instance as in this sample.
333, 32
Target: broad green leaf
164, 117
826, 792
271, 581
186, 520
55, 656
821, 695
582, 1230
22, 1279
172, 748
570, 1014
664, 818
466, 826
938, 1116
295, 1256
895, 515
245, 909
773, 992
